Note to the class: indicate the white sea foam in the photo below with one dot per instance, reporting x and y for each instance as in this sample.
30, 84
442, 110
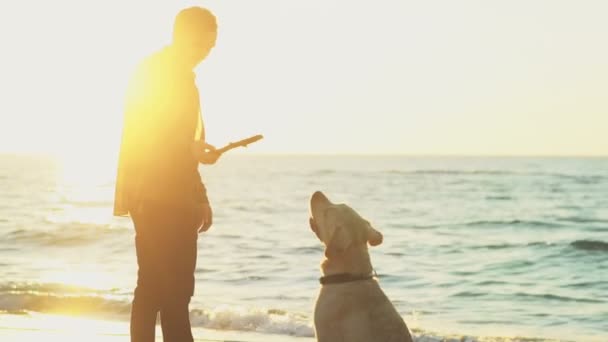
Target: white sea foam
263, 321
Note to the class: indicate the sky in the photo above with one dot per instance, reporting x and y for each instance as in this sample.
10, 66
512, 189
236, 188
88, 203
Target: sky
321, 76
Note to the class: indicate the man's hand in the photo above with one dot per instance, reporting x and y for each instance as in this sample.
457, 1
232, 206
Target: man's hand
207, 217
204, 153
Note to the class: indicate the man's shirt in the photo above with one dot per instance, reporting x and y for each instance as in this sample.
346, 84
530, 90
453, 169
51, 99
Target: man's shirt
160, 123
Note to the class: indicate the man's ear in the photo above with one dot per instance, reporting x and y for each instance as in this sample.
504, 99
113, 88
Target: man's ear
374, 237
338, 243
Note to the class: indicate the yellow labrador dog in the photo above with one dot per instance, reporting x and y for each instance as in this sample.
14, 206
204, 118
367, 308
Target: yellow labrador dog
351, 306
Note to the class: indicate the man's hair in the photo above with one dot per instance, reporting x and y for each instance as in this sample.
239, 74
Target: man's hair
193, 20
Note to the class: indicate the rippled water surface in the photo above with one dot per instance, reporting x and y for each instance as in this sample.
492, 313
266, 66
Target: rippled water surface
473, 246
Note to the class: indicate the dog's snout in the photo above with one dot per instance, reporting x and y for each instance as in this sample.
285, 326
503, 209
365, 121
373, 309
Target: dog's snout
318, 196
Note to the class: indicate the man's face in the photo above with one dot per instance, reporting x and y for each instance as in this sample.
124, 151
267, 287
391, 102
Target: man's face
194, 48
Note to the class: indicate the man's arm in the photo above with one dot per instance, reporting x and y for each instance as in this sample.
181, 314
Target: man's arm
200, 152
200, 192
127, 163
203, 205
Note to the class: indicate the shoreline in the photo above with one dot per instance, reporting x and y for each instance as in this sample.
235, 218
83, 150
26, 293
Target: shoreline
37, 327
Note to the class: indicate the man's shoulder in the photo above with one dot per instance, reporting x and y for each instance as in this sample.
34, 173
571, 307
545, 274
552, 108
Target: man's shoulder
159, 71
151, 63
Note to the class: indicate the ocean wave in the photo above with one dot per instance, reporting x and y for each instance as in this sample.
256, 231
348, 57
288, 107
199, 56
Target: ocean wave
513, 223
499, 198
60, 299
497, 246
49, 288
576, 178
308, 249
512, 245
581, 179
63, 304
578, 219
553, 297
470, 294
264, 321
450, 172
21, 299
492, 224
587, 284
491, 283
69, 234
590, 245
528, 296
597, 229
584, 245
270, 321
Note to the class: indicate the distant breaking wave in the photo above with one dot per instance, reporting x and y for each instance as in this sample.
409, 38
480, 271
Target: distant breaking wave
513, 223
590, 245
68, 234
577, 219
451, 172
512, 245
584, 179
494, 223
529, 296
584, 245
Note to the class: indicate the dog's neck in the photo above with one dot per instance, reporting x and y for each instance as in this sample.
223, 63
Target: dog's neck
354, 260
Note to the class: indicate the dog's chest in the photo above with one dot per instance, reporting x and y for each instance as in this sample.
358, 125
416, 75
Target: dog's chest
338, 300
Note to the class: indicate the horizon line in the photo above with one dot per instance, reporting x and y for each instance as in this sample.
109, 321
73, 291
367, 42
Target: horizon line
354, 154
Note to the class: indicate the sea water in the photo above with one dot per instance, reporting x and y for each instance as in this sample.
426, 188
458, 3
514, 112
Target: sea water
473, 246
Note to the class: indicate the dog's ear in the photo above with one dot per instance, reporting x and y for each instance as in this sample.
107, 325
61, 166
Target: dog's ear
374, 237
338, 242
314, 227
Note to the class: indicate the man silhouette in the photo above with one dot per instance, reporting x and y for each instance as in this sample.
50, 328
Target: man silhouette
158, 183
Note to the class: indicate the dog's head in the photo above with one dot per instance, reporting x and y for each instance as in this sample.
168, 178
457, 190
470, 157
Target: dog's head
338, 226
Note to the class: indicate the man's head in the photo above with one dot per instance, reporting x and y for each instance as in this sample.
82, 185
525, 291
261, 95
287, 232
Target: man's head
194, 34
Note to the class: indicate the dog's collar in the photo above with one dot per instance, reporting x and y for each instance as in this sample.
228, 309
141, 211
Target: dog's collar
345, 278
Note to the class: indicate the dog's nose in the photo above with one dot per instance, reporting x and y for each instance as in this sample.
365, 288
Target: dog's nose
318, 196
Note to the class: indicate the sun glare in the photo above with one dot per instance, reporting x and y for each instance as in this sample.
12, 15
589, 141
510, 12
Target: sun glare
57, 327
90, 279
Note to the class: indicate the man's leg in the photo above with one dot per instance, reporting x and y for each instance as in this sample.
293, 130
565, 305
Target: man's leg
143, 321
181, 264
175, 321
146, 301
